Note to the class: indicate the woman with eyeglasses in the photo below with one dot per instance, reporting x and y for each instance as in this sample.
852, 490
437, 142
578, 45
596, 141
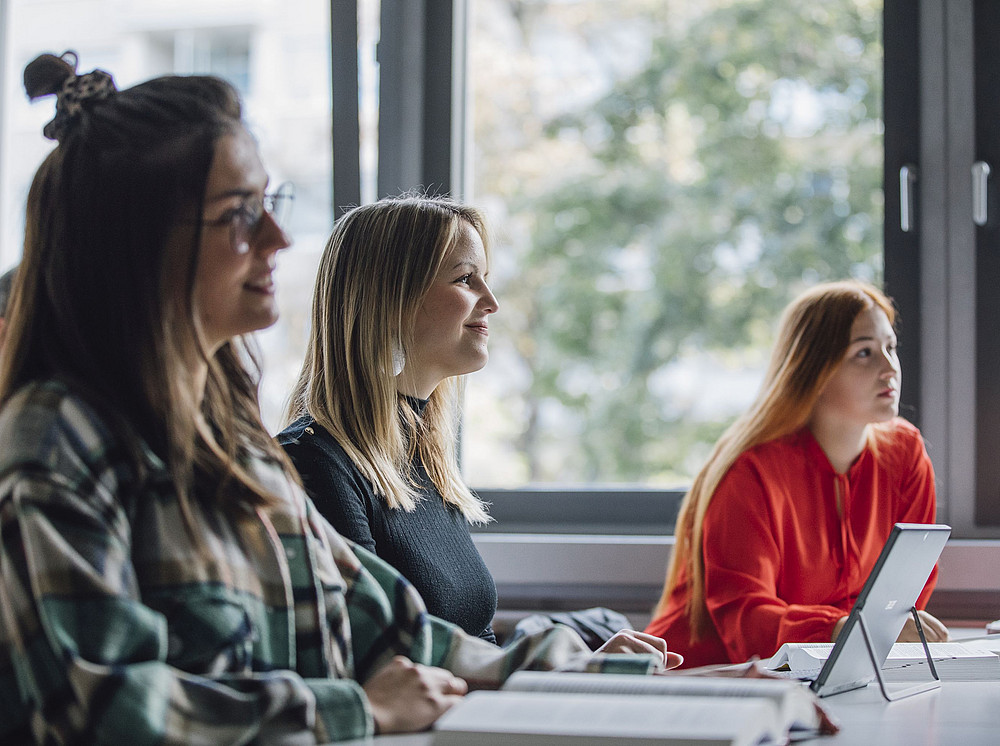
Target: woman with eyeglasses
785, 521
163, 576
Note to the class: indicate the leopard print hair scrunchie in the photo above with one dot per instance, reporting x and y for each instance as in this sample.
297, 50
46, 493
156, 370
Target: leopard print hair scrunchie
77, 90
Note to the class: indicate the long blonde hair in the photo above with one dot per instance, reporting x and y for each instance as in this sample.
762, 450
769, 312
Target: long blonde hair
813, 337
378, 264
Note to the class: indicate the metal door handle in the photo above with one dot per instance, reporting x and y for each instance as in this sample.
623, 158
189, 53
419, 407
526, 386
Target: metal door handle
907, 188
980, 192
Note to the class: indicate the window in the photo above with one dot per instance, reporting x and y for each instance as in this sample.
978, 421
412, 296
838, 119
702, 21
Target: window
663, 175
943, 126
224, 52
277, 53
923, 53
666, 177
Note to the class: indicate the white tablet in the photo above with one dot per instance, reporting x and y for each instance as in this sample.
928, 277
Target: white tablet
878, 616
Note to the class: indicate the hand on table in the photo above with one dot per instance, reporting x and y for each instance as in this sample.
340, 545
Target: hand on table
934, 629
407, 696
630, 641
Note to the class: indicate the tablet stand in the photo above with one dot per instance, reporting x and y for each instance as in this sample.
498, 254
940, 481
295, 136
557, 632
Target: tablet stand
909, 692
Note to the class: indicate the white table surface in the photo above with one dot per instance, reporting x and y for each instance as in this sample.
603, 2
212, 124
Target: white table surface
958, 714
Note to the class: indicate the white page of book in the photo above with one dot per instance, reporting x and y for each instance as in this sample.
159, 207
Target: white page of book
794, 701
667, 720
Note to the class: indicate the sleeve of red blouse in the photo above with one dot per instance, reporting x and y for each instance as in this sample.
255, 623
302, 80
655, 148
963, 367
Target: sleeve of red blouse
742, 560
918, 500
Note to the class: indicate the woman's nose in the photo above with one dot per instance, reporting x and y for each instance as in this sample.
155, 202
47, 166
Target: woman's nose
271, 237
890, 363
489, 301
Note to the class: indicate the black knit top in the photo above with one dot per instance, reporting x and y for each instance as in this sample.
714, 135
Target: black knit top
431, 546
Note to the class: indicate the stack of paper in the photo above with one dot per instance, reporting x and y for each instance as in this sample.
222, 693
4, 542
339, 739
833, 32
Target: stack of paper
954, 661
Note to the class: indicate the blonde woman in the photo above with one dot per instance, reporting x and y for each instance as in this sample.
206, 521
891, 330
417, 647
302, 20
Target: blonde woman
783, 524
401, 311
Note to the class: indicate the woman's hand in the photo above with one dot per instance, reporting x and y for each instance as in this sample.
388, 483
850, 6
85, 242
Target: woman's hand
934, 629
407, 697
837, 627
630, 641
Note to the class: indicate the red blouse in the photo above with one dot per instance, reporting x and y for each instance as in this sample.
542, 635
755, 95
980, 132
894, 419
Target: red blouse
781, 564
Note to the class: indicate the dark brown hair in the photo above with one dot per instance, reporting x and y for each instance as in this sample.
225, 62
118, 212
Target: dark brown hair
105, 285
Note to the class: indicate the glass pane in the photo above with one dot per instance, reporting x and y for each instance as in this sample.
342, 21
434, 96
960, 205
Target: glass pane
276, 53
664, 177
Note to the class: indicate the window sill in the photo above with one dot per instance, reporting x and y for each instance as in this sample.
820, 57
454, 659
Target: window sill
555, 572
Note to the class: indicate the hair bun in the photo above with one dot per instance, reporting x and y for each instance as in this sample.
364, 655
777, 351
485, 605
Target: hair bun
46, 74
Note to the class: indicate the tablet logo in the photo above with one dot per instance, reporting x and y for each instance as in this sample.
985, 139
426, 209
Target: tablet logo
889, 605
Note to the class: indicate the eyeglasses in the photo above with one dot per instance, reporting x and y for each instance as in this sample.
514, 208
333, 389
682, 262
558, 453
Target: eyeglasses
245, 219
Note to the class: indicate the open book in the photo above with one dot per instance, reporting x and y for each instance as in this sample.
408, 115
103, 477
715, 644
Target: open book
564, 708
954, 661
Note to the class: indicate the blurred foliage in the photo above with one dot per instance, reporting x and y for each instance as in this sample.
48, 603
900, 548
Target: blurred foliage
662, 198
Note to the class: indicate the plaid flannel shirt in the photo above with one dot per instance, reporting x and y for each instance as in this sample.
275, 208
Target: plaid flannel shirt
119, 626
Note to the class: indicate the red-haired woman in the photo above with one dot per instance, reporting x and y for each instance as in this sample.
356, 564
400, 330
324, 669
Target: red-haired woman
783, 524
